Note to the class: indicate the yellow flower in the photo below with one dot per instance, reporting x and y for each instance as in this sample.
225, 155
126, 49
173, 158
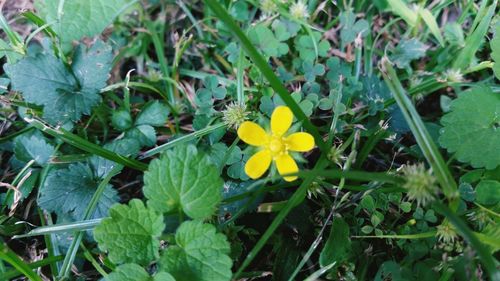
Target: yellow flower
274, 146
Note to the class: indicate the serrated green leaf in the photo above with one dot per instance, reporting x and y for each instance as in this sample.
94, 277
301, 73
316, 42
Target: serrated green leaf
80, 18
130, 233
471, 128
91, 66
134, 272
338, 245
406, 51
33, 147
44, 80
69, 191
183, 179
200, 254
153, 114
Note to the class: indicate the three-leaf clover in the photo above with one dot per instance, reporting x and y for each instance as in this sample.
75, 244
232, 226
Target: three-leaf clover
352, 28
265, 40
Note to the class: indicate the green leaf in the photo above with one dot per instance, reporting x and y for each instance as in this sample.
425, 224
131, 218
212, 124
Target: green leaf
183, 179
33, 147
264, 39
471, 128
130, 234
153, 114
407, 51
121, 120
368, 203
305, 46
495, 51
80, 18
125, 146
44, 80
69, 191
338, 245
351, 28
91, 66
488, 192
144, 134
134, 272
199, 254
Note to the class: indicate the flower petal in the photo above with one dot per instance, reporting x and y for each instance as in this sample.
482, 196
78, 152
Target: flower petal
258, 164
286, 165
252, 133
281, 120
301, 142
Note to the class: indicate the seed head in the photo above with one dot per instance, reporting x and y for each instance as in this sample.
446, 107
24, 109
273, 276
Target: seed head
234, 115
420, 183
298, 10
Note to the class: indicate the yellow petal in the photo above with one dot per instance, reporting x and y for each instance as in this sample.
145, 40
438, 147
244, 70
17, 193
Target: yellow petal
252, 133
286, 165
301, 142
281, 120
258, 164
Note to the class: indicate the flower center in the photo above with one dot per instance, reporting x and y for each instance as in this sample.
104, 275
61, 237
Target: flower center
277, 146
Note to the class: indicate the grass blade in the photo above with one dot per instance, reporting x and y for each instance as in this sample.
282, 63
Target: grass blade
422, 136
462, 228
85, 145
474, 40
401, 9
63, 227
431, 22
75, 244
9, 256
181, 140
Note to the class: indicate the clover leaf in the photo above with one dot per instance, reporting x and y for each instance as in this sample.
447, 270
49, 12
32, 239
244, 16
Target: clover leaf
199, 254
305, 46
130, 233
352, 28
185, 179
471, 129
134, 272
311, 71
265, 40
